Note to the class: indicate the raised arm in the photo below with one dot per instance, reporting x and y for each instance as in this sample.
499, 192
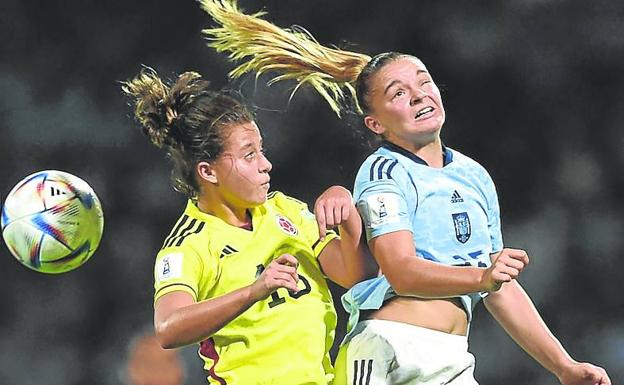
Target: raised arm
179, 320
346, 261
514, 311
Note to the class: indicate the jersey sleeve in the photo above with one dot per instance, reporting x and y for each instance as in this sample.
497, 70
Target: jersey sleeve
305, 220
381, 201
180, 269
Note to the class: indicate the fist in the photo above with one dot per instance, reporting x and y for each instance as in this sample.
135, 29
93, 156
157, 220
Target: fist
281, 272
583, 373
332, 208
506, 266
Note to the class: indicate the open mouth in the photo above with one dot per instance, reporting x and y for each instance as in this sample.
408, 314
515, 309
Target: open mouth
424, 111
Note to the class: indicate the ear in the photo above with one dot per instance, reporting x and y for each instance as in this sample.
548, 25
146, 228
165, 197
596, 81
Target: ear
374, 125
206, 172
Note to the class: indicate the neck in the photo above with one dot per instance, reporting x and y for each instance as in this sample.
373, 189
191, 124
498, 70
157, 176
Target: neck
430, 152
235, 216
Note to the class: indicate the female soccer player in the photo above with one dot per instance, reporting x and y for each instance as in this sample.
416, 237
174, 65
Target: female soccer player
431, 216
243, 270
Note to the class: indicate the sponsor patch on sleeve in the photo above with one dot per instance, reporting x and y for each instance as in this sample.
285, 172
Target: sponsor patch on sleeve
383, 208
169, 267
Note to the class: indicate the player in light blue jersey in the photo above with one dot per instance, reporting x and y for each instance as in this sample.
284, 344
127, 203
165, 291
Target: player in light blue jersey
450, 212
431, 214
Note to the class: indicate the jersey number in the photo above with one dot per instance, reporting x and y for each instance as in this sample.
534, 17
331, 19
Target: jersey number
276, 299
473, 256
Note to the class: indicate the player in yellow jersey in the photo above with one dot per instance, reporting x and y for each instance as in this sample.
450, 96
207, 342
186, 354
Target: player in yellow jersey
243, 271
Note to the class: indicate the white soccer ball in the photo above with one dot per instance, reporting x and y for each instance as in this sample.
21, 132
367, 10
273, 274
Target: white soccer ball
52, 221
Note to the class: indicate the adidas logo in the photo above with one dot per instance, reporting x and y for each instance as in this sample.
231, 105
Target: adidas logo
456, 198
55, 191
227, 250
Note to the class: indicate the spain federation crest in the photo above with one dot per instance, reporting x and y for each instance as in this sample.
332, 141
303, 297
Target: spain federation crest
462, 226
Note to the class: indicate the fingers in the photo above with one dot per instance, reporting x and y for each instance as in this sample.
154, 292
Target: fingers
319, 212
587, 374
513, 263
332, 208
507, 266
286, 259
286, 281
345, 209
286, 263
505, 273
282, 272
331, 213
603, 377
519, 255
514, 258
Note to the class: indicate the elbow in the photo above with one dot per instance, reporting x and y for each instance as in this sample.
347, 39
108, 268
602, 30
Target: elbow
366, 270
349, 282
165, 335
400, 286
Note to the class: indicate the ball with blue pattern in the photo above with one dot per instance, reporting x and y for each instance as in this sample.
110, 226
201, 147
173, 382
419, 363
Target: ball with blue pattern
52, 221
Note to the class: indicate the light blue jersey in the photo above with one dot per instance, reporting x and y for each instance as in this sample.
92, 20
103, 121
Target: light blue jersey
452, 213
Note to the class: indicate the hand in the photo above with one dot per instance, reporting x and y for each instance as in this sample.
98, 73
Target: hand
281, 272
507, 266
332, 208
583, 373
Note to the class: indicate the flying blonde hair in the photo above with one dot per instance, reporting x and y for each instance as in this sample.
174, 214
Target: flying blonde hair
293, 52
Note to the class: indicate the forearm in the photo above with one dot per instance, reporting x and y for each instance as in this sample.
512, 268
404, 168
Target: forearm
356, 259
198, 321
514, 311
413, 276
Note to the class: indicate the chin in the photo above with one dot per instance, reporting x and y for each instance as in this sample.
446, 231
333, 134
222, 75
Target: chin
432, 129
260, 200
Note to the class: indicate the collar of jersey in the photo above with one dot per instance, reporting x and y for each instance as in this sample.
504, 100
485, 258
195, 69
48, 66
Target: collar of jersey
447, 154
195, 212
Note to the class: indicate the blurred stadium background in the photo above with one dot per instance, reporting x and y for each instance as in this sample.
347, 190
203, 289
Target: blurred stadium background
533, 89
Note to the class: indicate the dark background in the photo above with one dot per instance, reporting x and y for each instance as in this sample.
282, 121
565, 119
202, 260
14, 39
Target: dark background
532, 89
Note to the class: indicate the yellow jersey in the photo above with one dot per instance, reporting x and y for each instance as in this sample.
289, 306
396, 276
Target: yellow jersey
282, 340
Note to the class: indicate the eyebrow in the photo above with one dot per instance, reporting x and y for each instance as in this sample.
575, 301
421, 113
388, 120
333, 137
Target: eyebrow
245, 146
248, 145
392, 83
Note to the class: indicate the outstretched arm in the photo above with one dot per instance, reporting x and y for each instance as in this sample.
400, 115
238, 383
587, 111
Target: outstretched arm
179, 320
348, 260
515, 312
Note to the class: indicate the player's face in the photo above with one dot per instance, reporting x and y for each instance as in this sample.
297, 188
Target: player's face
406, 104
242, 170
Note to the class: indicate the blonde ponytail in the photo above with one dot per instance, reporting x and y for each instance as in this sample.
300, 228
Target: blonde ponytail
292, 52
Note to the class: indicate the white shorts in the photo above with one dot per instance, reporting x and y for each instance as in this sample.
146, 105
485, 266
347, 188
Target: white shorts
391, 353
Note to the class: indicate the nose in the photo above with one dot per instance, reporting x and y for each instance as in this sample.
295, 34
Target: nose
418, 95
265, 164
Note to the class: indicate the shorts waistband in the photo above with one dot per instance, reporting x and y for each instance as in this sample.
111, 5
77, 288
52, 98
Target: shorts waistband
404, 330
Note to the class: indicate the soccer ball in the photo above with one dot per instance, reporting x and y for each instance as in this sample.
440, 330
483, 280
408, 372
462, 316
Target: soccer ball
52, 221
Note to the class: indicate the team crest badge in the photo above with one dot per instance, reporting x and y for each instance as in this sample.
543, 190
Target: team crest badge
286, 225
462, 226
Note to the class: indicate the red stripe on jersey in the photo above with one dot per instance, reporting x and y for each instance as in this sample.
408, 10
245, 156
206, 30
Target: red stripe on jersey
207, 349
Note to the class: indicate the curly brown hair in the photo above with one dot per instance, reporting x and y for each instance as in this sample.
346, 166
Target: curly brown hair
185, 118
